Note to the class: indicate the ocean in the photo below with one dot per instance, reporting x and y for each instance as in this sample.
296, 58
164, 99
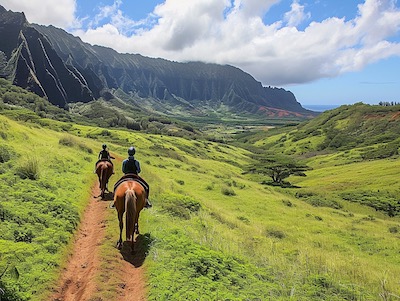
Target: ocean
320, 108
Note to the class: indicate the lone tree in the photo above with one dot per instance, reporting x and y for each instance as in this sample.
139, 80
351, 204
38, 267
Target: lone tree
278, 167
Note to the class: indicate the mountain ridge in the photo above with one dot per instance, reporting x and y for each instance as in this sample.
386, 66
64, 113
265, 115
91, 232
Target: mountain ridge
55, 64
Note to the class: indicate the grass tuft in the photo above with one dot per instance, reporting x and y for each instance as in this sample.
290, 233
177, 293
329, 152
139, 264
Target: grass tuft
29, 169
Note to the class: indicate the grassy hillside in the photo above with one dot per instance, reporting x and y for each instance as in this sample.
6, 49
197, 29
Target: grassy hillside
360, 144
361, 127
214, 233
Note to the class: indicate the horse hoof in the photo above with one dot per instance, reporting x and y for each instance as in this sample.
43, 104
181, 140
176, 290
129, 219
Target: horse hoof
119, 245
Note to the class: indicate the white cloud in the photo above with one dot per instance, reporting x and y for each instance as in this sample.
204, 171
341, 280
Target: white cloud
233, 32
60, 13
296, 15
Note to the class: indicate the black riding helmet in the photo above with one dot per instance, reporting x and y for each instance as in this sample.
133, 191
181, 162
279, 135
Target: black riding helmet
104, 146
131, 151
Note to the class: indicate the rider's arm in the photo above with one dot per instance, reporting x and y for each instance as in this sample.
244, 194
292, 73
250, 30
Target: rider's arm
124, 166
137, 166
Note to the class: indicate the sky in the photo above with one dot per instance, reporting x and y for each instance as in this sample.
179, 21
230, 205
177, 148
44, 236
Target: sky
327, 52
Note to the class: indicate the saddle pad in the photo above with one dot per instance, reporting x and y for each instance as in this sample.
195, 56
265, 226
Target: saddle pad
130, 178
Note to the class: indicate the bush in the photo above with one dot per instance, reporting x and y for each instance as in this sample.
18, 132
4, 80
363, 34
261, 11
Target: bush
288, 203
228, 191
323, 202
29, 169
318, 201
275, 233
394, 229
180, 205
387, 202
23, 236
5, 153
71, 141
67, 141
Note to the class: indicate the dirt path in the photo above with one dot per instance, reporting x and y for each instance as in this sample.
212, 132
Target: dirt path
83, 278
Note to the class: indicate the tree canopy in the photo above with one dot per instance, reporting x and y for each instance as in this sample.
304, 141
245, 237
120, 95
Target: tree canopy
278, 167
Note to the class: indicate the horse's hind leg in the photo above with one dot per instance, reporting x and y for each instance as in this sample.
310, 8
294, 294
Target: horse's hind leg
121, 226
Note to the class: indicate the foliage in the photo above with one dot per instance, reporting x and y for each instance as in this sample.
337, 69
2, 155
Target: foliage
341, 129
29, 169
40, 208
320, 242
228, 191
383, 151
387, 202
15, 96
5, 153
70, 141
318, 200
179, 205
278, 167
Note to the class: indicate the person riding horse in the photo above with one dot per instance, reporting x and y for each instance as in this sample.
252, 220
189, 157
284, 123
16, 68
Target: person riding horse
104, 155
131, 169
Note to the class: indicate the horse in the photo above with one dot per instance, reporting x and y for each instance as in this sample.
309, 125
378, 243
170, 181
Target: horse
104, 171
129, 197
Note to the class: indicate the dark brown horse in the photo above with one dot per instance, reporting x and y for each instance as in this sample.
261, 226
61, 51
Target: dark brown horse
104, 171
129, 197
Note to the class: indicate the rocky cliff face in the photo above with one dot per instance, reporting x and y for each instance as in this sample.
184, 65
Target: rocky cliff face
59, 66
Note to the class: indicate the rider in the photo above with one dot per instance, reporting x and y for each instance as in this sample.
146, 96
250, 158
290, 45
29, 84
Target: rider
132, 166
105, 155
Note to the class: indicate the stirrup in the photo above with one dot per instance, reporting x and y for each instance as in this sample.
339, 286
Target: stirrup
148, 204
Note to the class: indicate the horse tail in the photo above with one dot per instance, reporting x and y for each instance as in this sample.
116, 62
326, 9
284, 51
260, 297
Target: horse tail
103, 178
130, 213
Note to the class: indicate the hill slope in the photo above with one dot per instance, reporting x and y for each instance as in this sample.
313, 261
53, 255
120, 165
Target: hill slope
360, 126
213, 232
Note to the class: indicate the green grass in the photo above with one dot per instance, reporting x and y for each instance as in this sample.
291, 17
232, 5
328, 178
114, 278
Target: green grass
44, 191
203, 242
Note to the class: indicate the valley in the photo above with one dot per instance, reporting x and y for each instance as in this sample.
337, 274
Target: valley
214, 232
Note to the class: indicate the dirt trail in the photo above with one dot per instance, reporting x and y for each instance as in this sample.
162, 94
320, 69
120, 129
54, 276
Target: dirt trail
80, 279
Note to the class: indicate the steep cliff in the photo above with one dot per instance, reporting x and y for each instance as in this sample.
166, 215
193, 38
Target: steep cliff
55, 64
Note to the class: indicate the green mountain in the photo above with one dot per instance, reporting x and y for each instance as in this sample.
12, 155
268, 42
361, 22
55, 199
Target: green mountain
343, 142
371, 130
56, 65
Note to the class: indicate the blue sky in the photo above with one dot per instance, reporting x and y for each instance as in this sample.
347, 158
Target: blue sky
324, 51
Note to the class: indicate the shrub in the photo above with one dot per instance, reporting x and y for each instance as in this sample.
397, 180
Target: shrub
318, 201
210, 186
275, 233
323, 202
5, 153
228, 191
180, 205
71, 141
288, 203
29, 169
394, 229
387, 202
243, 219
67, 141
23, 236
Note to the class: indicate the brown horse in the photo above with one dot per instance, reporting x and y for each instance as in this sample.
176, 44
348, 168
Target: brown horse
104, 171
129, 196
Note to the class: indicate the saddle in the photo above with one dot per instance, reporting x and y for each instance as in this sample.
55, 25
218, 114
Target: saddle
103, 160
132, 177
